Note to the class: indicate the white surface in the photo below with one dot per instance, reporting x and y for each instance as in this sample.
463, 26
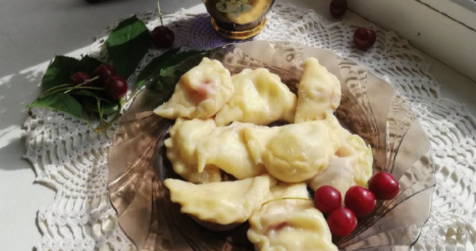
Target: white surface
470, 4
23, 45
19, 198
460, 10
32, 32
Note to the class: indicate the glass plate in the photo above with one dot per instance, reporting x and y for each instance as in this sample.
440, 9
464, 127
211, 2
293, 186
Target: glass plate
369, 107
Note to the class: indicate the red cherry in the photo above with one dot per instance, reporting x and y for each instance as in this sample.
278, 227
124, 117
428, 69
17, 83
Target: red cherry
116, 87
342, 222
360, 200
79, 77
104, 71
327, 199
384, 186
364, 38
337, 8
162, 36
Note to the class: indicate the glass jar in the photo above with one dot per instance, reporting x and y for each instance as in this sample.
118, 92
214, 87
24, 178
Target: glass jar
238, 19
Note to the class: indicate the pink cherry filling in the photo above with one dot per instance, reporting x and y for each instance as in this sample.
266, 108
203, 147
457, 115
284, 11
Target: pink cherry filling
201, 92
278, 226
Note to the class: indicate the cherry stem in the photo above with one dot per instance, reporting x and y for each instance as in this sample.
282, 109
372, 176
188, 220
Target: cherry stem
55, 89
83, 83
98, 103
104, 125
159, 13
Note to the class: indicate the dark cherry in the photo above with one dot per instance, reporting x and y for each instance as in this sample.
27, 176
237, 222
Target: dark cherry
79, 77
162, 36
342, 222
104, 71
337, 8
364, 38
327, 199
360, 200
116, 87
384, 186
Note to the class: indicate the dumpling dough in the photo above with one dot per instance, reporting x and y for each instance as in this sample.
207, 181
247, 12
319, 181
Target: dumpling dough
294, 152
352, 163
289, 221
259, 97
351, 166
339, 174
200, 92
319, 92
361, 158
225, 148
198, 149
181, 146
220, 202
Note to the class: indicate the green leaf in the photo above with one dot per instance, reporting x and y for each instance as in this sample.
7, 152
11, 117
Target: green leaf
62, 67
88, 64
170, 74
88, 93
61, 102
110, 108
163, 72
107, 106
154, 67
127, 44
58, 92
59, 72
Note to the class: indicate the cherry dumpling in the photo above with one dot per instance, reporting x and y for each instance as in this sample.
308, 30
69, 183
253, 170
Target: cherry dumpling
259, 97
185, 137
319, 92
293, 152
200, 93
197, 153
289, 221
351, 164
224, 203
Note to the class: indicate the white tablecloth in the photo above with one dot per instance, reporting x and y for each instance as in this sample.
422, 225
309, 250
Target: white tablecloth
447, 122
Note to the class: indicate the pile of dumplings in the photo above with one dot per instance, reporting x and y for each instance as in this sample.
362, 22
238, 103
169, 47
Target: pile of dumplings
222, 130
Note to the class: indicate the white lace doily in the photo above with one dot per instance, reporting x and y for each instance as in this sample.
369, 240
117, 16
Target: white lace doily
71, 157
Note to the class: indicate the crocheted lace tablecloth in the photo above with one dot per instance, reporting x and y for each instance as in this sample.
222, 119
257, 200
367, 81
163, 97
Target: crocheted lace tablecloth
71, 157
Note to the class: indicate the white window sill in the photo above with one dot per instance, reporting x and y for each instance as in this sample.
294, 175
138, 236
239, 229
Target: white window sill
443, 29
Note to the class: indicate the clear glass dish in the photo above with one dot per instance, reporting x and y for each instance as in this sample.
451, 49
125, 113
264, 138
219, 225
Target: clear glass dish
369, 107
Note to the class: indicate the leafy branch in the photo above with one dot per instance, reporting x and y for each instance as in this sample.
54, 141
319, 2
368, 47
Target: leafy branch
126, 45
